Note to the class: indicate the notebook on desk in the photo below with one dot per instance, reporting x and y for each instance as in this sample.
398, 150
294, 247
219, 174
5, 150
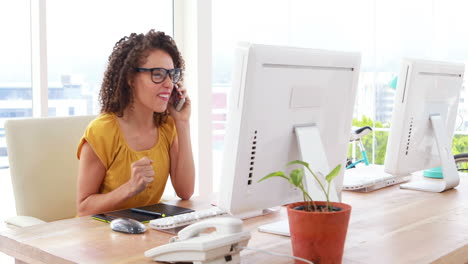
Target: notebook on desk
370, 178
143, 214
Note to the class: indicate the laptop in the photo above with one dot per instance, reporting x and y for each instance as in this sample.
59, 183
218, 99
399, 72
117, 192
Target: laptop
370, 178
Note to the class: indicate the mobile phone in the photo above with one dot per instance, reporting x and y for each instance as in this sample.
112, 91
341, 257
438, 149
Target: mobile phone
177, 102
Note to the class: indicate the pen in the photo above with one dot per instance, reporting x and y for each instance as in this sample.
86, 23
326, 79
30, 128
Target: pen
141, 211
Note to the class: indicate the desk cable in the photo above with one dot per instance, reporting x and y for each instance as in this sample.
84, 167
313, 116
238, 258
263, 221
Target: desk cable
275, 254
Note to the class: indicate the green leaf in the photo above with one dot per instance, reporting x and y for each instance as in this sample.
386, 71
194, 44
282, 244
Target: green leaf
298, 162
296, 177
333, 173
274, 174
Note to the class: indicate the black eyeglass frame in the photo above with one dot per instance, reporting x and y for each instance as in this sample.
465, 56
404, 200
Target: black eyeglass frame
171, 73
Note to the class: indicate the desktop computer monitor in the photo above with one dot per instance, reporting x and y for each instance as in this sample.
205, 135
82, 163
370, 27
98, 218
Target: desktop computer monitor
285, 104
423, 122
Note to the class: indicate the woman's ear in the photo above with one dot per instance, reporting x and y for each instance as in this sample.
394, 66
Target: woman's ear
130, 80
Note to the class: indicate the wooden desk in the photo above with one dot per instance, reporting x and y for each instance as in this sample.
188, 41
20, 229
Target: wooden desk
387, 226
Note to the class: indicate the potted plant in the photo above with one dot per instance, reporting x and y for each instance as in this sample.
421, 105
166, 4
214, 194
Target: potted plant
318, 228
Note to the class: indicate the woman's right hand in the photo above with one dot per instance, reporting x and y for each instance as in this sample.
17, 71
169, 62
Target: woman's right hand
142, 175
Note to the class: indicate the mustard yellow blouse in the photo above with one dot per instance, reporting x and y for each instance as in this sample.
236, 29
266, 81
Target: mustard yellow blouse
105, 137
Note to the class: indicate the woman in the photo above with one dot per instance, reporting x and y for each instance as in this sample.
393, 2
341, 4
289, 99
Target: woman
127, 153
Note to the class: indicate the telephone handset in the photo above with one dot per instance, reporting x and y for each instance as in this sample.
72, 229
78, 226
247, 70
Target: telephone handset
192, 245
177, 102
224, 225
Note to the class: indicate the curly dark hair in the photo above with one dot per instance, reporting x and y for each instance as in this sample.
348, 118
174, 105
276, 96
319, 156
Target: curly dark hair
129, 52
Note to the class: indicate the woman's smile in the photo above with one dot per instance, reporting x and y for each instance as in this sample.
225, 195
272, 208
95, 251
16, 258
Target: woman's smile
164, 96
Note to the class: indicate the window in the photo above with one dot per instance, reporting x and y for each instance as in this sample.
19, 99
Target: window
80, 38
383, 31
15, 51
289, 23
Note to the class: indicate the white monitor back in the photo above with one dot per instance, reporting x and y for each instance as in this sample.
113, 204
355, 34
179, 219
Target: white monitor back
424, 88
274, 90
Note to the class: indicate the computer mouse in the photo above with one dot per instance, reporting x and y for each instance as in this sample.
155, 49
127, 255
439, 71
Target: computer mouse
127, 225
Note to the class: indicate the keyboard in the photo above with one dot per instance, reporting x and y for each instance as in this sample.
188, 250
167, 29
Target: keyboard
369, 178
185, 219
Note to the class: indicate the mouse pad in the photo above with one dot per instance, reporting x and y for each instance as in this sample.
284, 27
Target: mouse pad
162, 208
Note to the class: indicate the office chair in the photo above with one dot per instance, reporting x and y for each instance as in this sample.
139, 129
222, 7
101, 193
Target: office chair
44, 167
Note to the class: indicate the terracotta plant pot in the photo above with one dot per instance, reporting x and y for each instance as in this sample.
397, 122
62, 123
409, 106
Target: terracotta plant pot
319, 236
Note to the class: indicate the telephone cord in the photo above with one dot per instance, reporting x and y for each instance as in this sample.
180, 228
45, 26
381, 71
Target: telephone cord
275, 254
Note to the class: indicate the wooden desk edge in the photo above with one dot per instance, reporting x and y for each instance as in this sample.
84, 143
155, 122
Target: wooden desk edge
21, 258
460, 255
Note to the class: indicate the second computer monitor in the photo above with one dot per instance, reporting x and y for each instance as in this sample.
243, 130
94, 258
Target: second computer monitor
285, 104
423, 122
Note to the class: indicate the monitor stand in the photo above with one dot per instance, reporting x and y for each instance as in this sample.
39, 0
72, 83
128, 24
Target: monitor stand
312, 151
450, 178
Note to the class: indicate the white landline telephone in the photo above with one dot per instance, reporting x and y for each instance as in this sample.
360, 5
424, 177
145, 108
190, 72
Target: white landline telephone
217, 247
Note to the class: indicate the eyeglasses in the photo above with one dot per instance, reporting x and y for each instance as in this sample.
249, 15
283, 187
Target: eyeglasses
158, 75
